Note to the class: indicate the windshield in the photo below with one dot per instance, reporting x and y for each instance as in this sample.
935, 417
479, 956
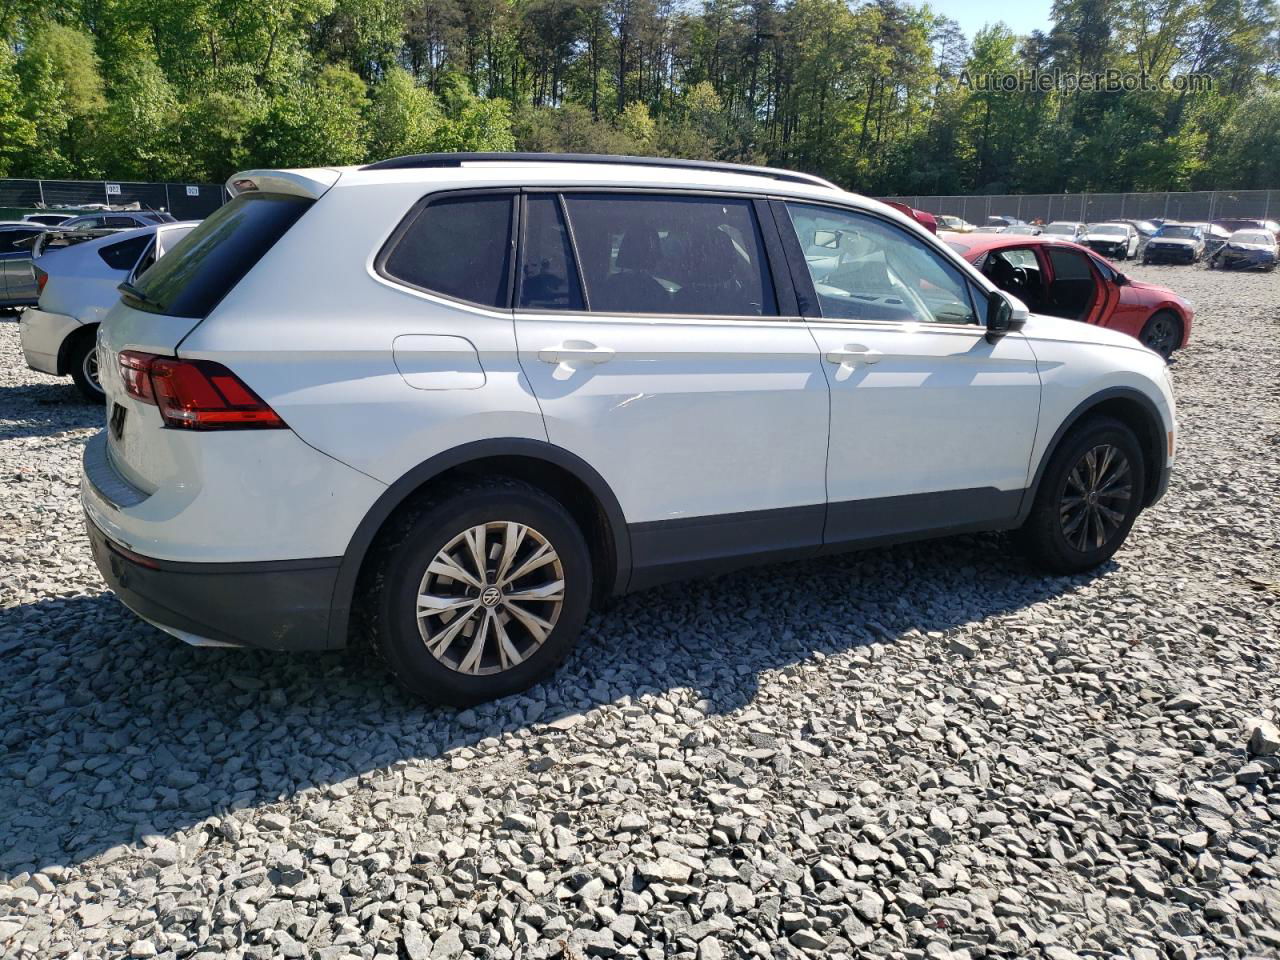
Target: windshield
1063, 229
1251, 236
1177, 233
203, 266
1110, 229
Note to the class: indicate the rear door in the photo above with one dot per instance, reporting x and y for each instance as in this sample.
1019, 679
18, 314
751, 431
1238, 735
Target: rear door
665, 351
1074, 290
931, 425
18, 280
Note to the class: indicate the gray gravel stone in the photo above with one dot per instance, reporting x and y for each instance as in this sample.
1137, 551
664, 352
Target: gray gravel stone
927, 752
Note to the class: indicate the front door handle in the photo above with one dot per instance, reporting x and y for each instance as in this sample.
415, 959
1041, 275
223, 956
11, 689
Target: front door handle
576, 351
853, 353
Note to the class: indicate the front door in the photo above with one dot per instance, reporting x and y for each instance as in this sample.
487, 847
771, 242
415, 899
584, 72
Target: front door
931, 426
651, 333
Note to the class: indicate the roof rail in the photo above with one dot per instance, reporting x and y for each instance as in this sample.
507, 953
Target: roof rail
458, 159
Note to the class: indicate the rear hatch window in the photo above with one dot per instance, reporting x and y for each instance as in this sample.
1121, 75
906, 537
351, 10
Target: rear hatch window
207, 263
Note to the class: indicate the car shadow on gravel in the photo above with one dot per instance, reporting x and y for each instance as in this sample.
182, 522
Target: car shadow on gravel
45, 410
111, 730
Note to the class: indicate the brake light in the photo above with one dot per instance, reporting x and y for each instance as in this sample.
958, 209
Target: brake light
135, 372
195, 394
41, 279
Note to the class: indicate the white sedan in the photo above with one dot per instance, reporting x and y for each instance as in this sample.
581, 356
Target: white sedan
77, 286
1119, 241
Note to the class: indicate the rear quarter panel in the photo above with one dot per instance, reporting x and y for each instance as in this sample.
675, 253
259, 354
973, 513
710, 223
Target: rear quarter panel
311, 329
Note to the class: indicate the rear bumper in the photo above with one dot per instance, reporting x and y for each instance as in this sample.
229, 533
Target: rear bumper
42, 334
275, 605
269, 604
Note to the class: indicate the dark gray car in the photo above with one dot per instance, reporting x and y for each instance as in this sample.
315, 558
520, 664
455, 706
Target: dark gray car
17, 280
116, 220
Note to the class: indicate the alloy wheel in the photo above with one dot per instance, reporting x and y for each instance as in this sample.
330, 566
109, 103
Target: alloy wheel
1160, 335
1095, 500
89, 366
490, 598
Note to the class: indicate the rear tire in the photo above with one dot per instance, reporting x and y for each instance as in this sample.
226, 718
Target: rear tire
1162, 333
1088, 498
482, 634
82, 358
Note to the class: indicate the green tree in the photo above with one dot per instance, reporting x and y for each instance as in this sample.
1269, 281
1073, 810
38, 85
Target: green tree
217, 120
638, 126
317, 122
62, 98
403, 117
473, 123
138, 133
1249, 149
17, 132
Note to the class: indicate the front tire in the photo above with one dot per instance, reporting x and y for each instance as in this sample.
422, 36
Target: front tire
1088, 498
82, 358
480, 591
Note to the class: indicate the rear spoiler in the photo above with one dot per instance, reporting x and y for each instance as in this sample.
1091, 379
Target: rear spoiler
311, 183
42, 243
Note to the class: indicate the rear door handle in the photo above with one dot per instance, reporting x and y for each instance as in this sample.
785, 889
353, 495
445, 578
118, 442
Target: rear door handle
853, 353
576, 351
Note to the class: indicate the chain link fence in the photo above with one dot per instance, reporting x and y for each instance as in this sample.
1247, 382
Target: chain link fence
1095, 207
186, 201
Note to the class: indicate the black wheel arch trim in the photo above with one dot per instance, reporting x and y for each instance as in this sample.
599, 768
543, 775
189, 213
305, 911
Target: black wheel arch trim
1159, 469
399, 491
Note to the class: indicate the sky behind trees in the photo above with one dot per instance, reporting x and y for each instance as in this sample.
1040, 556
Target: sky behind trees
863, 92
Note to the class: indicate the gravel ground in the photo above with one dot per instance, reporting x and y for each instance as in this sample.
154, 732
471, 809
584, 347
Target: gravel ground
920, 752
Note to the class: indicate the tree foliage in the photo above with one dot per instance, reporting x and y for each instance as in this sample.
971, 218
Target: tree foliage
866, 92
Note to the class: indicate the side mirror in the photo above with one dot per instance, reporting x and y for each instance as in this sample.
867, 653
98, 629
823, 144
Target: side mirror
1121, 279
1005, 314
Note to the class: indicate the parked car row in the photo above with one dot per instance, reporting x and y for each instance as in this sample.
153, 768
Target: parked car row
1156, 241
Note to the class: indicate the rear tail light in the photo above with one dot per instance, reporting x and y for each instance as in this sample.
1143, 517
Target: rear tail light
195, 394
41, 279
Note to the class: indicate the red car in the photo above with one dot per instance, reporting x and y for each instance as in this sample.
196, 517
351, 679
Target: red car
1064, 279
926, 220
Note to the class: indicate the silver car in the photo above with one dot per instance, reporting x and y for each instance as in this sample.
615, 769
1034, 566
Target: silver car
17, 281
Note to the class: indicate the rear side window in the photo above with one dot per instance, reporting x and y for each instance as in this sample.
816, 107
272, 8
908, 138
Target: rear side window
456, 246
123, 255
688, 256
12, 238
209, 261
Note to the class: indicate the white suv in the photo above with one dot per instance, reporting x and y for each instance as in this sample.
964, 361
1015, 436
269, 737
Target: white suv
452, 400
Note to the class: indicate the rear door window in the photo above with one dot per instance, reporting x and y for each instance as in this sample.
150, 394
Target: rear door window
209, 261
458, 246
548, 277
688, 256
